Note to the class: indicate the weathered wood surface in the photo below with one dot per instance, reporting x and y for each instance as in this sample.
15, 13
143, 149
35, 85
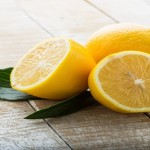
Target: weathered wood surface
26, 22
71, 18
17, 133
135, 11
17, 34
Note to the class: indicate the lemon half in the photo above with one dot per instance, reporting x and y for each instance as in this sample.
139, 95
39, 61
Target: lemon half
54, 69
121, 82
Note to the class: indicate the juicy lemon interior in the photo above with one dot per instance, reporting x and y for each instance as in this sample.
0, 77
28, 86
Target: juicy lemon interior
126, 79
40, 62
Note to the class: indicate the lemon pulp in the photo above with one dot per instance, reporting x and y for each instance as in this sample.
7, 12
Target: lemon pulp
40, 62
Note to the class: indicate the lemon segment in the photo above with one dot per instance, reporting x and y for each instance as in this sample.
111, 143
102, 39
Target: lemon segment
121, 81
54, 69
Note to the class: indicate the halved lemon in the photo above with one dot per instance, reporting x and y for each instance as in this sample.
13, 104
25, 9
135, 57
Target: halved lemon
121, 82
54, 69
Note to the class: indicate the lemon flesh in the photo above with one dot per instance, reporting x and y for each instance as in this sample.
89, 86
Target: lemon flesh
39, 63
122, 81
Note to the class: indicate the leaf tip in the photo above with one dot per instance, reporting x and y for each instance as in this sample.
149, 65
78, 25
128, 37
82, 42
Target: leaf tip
26, 117
29, 117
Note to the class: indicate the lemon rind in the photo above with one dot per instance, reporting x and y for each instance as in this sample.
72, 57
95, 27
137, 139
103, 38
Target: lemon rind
113, 104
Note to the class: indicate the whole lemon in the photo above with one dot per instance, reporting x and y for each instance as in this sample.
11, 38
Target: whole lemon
119, 37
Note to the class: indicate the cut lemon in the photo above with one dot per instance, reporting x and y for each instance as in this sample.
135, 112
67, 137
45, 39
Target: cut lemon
121, 81
119, 37
54, 69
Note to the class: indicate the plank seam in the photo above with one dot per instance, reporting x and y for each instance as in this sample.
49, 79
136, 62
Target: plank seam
51, 127
57, 133
97, 8
32, 19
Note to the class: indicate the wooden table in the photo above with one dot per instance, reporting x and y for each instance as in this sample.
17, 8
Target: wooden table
23, 23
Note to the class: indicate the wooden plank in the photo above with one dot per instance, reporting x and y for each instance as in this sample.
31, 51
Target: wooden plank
98, 127
74, 19
95, 127
133, 11
17, 133
17, 34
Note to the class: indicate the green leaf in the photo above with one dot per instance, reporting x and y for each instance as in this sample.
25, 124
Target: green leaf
6, 92
5, 77
66, 107
10, 94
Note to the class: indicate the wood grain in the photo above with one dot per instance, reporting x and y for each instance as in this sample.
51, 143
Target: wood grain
17, 34
100, 128
95, 127
17, 133
133, 11
74, 18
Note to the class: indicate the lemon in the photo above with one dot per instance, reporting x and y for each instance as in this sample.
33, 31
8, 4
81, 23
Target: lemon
119, 37
54, 69
121, 82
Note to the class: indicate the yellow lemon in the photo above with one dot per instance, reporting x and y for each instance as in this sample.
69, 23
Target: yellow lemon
118, 37
54, 69
121, 82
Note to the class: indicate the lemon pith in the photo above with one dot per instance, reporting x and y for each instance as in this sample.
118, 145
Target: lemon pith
61, 70
122, 83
